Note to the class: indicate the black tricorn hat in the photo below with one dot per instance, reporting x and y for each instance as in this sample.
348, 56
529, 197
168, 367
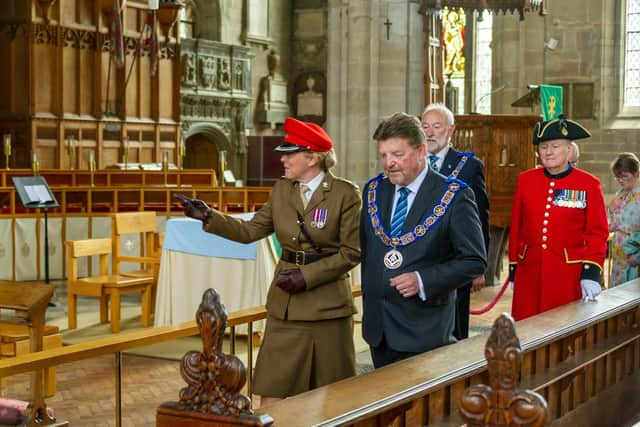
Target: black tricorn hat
560, 128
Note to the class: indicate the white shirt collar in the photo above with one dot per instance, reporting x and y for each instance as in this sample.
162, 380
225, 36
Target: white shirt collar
414, 186
441, 155
315, 182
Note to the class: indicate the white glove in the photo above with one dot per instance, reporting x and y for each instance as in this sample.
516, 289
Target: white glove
511, 285
590, 289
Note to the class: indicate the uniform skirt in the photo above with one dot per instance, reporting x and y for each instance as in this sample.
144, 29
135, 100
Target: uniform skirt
296, 356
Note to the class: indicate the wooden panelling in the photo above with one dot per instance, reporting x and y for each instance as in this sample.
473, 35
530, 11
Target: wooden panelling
432, 380
503, 143
60, 72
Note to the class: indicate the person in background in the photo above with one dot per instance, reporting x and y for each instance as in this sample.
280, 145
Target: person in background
421, 239
574, 153
558, 234
308, 339
623, 213
438, 125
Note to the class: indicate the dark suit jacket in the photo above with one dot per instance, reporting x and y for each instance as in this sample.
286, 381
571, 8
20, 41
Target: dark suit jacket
473, 175
448, 256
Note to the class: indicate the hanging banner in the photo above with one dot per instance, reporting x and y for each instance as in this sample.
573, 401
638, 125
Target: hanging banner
550, 101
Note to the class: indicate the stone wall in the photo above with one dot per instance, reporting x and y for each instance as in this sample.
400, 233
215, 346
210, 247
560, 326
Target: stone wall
588, 51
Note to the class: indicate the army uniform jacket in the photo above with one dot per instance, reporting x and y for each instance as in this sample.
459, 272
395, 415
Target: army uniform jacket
328, 294
558, 235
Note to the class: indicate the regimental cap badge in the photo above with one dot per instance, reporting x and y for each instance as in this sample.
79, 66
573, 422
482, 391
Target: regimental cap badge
559, 128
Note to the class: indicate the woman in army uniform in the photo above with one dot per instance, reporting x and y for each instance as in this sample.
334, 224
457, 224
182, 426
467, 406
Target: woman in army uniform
308, 339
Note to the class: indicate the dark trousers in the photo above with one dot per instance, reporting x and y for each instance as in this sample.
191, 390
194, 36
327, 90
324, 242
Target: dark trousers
463, 302
383, 355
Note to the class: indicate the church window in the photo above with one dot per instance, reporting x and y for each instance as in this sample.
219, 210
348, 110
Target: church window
482, 67
632, 55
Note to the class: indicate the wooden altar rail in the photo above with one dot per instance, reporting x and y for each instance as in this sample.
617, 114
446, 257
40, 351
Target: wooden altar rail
88, 200
583, 358
96, 203
116, 344
111, 177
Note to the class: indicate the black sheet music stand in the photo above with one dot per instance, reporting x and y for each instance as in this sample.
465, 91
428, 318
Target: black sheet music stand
34, 193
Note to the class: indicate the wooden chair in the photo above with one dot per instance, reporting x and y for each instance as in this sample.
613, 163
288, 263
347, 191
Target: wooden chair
104, 286
144, 224
14, 342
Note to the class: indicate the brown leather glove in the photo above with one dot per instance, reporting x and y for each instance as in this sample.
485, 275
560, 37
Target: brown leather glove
291, 280
194, 208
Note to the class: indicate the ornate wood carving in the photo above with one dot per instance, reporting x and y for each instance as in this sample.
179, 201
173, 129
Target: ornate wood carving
214, 379
43, 33
11, 29
500, 403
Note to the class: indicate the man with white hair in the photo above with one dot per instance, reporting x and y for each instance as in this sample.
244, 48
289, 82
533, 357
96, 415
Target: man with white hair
574, 153
438, 125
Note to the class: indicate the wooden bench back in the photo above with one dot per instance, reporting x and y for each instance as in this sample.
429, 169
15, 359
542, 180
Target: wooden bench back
131, 223
88, 247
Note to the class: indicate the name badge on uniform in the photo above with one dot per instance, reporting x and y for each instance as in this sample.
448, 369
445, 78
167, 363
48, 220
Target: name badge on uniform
319, 217
570, 198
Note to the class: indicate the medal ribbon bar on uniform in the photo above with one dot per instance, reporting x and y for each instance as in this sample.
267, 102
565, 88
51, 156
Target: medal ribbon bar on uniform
419, 230
570, 198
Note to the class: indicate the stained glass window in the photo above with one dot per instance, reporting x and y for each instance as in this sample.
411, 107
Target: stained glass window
632, 55
453, 23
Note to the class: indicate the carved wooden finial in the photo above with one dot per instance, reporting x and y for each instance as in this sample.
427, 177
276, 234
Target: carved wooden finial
499, 403
214, 379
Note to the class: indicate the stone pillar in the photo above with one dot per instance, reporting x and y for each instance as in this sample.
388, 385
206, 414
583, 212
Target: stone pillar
370, 77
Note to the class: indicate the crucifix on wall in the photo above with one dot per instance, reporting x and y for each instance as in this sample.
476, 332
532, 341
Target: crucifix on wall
388, 24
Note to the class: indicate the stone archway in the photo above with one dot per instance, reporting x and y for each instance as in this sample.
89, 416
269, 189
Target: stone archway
203, 143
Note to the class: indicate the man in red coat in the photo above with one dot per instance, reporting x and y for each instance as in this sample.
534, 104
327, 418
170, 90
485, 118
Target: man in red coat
558, 235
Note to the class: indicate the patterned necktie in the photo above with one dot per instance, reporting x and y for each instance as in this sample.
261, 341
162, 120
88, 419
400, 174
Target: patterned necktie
433, 162
304, 189
400, 213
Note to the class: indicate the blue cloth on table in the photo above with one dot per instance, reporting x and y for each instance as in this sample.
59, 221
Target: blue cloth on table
186, 235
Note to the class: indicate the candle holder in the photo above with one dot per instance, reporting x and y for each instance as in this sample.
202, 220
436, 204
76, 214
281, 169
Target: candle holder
182, 150
165, 166
222, 160
125, 152
35, 164
71, 150
92, 167
7, 149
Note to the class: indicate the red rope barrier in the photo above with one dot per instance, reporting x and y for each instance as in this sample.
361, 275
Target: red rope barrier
493, 302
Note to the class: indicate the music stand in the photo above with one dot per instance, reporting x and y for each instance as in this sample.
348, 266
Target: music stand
34, 193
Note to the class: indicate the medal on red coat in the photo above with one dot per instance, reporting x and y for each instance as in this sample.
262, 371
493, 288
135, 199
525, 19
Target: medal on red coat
393, 259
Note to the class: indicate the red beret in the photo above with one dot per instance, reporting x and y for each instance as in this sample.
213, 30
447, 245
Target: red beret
304, 136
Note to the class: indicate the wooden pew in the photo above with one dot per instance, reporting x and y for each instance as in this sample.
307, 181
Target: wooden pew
583, 358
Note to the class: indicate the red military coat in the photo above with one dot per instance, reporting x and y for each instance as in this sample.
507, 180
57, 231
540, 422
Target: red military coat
558, 236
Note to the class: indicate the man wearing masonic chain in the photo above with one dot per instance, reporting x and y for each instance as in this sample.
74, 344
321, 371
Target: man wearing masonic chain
420, 238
